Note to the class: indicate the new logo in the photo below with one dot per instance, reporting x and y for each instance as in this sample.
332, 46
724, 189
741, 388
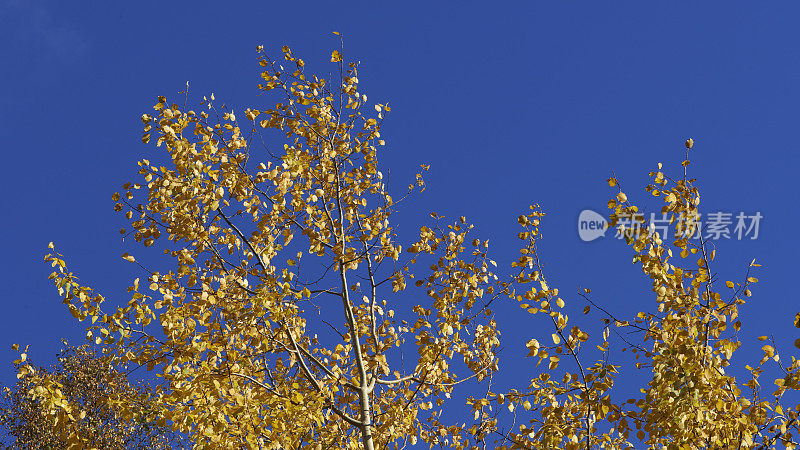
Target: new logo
591, 225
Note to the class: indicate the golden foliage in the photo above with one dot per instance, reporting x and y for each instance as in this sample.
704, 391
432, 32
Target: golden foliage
84, 388
287, 319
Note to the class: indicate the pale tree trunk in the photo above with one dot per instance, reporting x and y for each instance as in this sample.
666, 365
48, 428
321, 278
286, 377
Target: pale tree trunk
363, 389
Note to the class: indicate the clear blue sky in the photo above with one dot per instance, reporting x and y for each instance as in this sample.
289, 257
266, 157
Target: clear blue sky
510, 104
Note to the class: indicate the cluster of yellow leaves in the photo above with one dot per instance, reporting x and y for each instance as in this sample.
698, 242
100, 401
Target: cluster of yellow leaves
79, 395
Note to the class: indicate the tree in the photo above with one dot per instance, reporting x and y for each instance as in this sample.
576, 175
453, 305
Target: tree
87, 381
287, 320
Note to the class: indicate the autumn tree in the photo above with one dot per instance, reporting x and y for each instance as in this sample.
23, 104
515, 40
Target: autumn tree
286, 319
86, 380
276, 328
683, 347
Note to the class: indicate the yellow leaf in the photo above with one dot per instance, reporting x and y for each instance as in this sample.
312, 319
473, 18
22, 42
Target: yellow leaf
336, 56
533, 347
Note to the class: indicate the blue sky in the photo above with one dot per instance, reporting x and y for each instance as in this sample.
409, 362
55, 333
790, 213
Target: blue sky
510, 104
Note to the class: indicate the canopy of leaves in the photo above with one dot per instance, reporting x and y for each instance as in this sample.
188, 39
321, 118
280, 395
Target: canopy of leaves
286, 319
85, 380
